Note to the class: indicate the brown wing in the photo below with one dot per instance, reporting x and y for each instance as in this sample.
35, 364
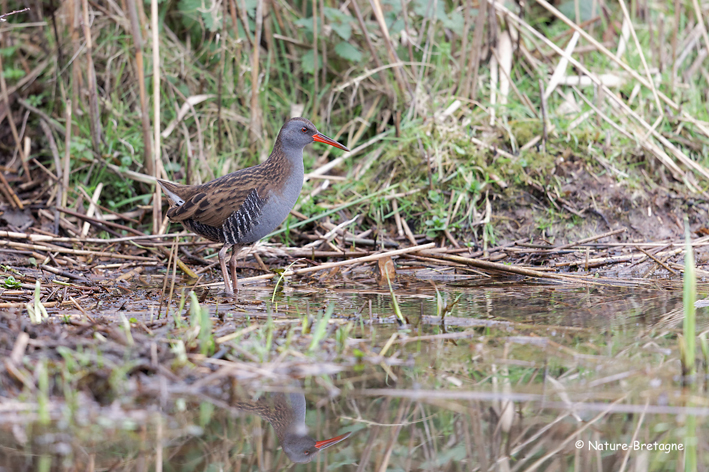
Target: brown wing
212, 203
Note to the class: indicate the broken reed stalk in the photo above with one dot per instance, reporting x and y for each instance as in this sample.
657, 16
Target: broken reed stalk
140, 71
5, 15
92, 209
94, 118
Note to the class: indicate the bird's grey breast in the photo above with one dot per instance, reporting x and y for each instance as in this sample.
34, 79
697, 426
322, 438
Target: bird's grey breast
278, 203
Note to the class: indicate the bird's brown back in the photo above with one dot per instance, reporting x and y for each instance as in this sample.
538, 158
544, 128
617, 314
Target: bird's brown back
273, 408
212, 203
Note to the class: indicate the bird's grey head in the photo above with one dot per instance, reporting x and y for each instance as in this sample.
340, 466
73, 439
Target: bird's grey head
300, 449
299, 132
303, 449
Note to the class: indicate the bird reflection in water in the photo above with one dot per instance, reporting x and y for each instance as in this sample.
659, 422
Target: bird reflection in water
286, 413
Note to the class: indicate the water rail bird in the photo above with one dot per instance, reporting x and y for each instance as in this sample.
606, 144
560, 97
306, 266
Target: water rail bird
242, 207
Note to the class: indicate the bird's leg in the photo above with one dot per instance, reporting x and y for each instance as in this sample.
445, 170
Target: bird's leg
225, 273
232, 265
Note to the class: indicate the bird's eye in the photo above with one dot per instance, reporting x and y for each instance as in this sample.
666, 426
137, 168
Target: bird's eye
306, 452
304, 129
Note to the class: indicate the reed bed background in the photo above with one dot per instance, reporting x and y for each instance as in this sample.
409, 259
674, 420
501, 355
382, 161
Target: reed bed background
459, 109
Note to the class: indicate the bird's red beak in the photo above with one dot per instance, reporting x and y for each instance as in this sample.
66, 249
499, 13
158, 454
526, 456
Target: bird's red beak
332, 441
321, 138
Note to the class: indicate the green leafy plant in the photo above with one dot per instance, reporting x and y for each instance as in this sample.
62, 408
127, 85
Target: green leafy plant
11, 283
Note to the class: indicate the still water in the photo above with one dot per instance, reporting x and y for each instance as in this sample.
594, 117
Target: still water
499, 377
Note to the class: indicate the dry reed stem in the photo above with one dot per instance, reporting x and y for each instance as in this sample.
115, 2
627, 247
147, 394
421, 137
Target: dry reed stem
659, 262
700, 20
470, 89
394, 436
13, 128
158, 443
508, 82
645, 66
612, 123
78, 252
504, 60
94, 117
222, 65
315, 109
10, 194
103, 224
93, 201
256, 119
397, 217
140, 72
365, 33
46, 238
172, 255
157, 207
626, 456
379, 15
614, 259
560, 70
174, 276
499, 267
67, 153
232, 336
405, 15
586, 240
464, 45
183, 267
601, 48
57, 165
330, 265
